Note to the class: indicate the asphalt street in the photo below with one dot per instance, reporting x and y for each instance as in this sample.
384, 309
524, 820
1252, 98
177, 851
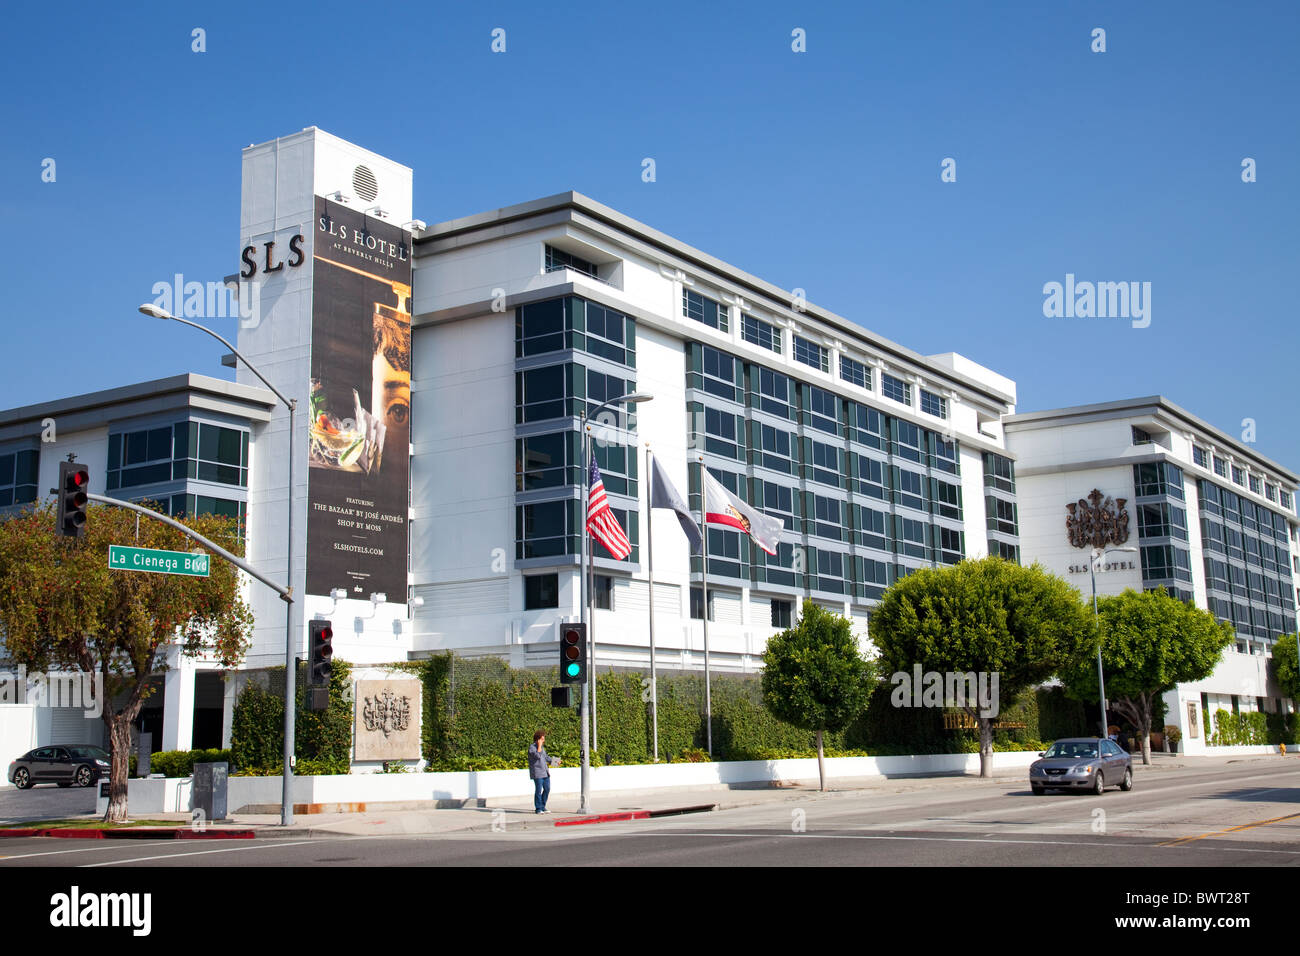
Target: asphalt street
1243, 813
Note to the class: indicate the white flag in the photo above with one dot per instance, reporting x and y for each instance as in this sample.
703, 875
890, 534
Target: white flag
722, 507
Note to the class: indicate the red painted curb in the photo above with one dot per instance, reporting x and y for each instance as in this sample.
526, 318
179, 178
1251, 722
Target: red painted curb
77, 833
604, 818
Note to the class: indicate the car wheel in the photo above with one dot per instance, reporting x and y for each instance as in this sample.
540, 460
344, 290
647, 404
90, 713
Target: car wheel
1038, 791
1128, 779
83, 777
1099, 784
22, 779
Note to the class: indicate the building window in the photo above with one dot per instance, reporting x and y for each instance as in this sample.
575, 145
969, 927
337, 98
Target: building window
1238, 476
544, 461
909, 489
866, 425
947, 498
825, 464
950, 545
869, 528
830, 571
721, 432
1220, 467
944, 457
1141, 436
1158, 478
713, 371
779, 502
810, 353
697, 604
855, 373
541, 591
1161, 521
933, 404
557, 259
907, 441
602, 592
18, 477
1254, 483
1001, 515
1270, 492
911, 535
782, 613
774, 393
896, 389
574, 323
1001, 549
546, 529
1200, 456
999, 472
867, 477
711, 313
827, 518
760, 333
774, 448
601, 388
195, 505
823, 410
609, 334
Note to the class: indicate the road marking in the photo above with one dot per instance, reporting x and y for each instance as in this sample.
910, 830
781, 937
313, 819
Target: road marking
853, 836
24, 856
234, 849
1244, 826
172, 856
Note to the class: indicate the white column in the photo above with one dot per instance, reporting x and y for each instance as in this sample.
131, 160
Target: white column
178, 702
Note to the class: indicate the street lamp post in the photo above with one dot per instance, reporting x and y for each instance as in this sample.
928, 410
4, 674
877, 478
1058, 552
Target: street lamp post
1098, 553
584, 571
290, 662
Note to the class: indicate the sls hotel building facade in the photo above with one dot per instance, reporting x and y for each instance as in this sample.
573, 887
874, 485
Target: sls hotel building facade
437, 477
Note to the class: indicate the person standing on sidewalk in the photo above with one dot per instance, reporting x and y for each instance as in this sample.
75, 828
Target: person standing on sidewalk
539, 764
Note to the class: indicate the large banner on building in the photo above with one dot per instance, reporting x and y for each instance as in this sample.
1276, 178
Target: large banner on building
360, 418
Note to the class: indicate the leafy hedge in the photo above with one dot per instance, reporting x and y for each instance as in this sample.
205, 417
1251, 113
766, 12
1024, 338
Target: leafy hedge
322, 741
1236, 729
180, 763
486, 722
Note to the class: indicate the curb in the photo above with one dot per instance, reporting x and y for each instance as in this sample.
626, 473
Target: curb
635, 815
138, 833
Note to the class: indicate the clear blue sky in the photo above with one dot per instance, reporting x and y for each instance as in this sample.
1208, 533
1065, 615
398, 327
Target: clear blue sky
818, 170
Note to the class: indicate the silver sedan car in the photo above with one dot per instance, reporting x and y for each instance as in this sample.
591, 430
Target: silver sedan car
1090, 764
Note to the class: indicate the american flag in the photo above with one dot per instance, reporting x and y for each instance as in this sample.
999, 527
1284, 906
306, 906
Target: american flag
601, 521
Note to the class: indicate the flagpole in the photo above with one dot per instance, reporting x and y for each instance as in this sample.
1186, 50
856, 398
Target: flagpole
704, 582
584, 805
591, 617
650, 564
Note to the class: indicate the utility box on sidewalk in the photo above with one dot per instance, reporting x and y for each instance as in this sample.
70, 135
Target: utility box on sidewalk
211, 782
101, 796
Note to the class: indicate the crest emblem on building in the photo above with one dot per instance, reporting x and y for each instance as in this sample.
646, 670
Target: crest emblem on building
387, 712
1096, 522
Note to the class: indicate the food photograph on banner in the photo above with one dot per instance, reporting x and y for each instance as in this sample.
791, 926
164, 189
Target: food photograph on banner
359, 423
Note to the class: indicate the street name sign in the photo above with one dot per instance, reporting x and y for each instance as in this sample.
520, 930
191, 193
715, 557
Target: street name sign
124, 558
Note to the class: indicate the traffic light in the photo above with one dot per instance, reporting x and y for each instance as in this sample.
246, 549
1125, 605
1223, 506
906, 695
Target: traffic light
320, 650
573, 654
74, 482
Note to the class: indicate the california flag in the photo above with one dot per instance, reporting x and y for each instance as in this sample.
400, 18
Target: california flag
722, 507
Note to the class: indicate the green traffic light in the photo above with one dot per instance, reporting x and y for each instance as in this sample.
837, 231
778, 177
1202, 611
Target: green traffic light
572, 670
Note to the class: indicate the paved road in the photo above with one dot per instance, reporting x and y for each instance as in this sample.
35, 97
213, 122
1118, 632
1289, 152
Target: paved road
45, 802
1244, 813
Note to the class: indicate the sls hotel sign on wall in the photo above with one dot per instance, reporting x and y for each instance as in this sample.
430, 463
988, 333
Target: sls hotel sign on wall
1096, 522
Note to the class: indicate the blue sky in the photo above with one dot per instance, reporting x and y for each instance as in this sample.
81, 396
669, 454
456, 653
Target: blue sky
818, 170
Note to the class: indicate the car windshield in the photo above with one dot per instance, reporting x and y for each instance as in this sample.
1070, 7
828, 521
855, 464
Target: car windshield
93, 753
1068, 749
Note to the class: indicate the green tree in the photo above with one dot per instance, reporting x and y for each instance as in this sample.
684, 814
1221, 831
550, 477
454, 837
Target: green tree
814, 676
63, 608
990, 617
1150, 642
1284, 668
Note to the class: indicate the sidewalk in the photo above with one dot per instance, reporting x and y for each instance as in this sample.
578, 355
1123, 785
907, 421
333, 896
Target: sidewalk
516, 814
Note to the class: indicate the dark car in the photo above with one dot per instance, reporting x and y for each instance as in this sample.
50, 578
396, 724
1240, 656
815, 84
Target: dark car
1082, 763
64, 764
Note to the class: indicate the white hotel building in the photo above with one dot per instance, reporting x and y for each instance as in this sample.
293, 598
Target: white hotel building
878, 460
1211, 520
